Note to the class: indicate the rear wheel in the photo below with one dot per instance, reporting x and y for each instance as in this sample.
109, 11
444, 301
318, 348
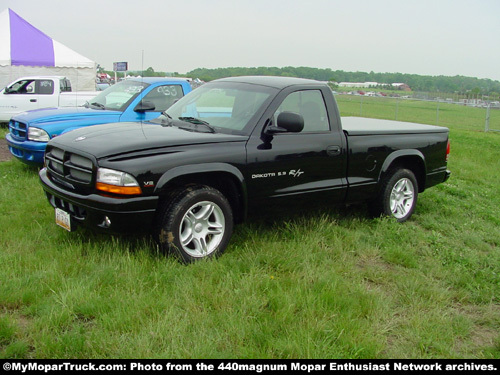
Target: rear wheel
398, 195
196, 224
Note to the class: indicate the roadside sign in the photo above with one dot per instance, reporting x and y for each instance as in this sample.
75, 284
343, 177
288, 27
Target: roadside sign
120, 66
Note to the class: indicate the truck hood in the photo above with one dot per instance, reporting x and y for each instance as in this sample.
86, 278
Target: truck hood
50, 115
128, 137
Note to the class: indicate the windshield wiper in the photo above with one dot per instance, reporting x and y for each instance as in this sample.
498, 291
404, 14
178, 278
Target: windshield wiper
169, 119
197, 121
98, 105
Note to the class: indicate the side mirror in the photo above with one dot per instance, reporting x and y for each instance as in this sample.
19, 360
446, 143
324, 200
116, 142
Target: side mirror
144, 106
287, 122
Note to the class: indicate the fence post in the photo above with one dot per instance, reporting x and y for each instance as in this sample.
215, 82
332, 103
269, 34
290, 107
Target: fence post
487, 122
397, 106
437, 113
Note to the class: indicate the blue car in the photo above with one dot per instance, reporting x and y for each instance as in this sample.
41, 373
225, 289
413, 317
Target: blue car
137, 99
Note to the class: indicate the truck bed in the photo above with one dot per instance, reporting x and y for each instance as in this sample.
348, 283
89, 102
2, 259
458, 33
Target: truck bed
354, 126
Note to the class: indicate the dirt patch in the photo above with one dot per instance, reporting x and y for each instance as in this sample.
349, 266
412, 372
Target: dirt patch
484, 333
4, 151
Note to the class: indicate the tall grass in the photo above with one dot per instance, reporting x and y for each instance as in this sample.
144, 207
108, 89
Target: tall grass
332, 283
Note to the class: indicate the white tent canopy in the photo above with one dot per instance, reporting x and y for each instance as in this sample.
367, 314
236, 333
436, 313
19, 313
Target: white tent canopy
26, 51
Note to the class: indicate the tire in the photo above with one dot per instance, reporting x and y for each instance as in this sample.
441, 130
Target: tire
197, 223
398, 195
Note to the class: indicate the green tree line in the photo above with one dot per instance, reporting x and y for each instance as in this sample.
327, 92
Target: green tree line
448, 84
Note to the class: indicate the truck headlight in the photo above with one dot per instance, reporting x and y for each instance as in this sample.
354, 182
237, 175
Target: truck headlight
38, 135
116, 182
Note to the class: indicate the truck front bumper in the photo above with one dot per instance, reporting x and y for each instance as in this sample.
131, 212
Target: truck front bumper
106, 213
28, 152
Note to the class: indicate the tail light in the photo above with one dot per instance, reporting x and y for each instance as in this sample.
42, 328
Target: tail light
448, 150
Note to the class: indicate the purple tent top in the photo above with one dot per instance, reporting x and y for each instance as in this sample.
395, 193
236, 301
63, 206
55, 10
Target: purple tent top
28, 45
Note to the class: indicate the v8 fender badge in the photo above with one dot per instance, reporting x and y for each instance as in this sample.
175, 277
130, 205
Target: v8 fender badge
80, 138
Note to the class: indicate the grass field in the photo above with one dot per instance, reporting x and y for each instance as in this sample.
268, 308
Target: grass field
328, 284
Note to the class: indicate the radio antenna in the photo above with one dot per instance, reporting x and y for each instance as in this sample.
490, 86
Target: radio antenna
142, 91
142, 63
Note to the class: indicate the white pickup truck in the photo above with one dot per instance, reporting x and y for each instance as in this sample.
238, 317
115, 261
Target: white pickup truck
27, 93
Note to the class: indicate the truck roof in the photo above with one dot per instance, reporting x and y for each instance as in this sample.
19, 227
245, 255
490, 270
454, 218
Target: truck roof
39, 77
271, 81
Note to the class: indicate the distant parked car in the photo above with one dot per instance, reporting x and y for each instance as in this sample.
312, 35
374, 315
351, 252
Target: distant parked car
33, 92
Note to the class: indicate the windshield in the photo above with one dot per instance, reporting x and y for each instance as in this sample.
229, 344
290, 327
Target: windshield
118, 97
225, 107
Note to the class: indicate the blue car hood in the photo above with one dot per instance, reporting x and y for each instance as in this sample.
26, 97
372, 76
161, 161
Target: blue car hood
51, 115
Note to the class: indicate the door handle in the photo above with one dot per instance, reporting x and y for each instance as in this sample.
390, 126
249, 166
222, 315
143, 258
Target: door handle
333, 150
33, 100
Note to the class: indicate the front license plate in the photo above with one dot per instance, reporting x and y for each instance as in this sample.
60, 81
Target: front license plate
63, 219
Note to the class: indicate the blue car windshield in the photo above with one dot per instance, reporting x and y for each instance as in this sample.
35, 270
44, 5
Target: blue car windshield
118, 97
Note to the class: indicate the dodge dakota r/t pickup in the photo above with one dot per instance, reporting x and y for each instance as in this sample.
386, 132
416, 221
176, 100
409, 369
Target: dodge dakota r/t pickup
230, 145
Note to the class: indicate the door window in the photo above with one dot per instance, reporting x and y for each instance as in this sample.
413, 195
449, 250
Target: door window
44, 87
310, 105
22, 87
164, 96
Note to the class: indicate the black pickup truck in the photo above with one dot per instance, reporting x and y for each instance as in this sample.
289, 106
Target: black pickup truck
231, 145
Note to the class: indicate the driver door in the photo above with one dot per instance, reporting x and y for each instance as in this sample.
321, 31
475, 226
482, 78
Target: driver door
303, 164
21, 96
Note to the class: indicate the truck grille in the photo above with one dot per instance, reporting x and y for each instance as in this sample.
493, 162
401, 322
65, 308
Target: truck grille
69, 169
18, 130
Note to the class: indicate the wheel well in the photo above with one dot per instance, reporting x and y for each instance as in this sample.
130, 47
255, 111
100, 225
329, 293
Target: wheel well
414, 164
226, 183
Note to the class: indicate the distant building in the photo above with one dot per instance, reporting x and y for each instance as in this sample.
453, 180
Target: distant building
358, 84
397, 86
401, 86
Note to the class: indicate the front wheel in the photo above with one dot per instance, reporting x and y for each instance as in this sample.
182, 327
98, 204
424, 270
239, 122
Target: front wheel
196, 224
398, 195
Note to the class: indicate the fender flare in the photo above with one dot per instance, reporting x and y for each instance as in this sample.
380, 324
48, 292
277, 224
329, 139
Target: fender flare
205, 168
398, 154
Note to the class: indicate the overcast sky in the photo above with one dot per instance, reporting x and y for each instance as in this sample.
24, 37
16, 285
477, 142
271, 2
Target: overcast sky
428, 37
